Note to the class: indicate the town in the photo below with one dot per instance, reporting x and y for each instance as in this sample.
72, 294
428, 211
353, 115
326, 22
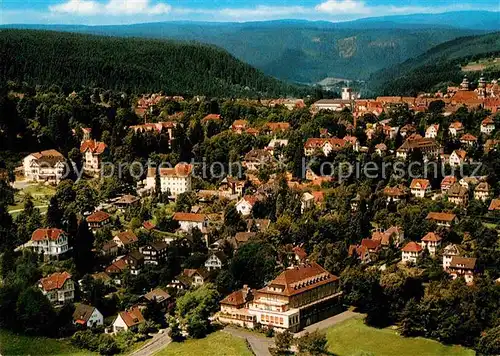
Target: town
164, 252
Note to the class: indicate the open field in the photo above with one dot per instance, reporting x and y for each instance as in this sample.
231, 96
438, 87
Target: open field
216, 344
481, 65
12, 344
41, 195
353, 337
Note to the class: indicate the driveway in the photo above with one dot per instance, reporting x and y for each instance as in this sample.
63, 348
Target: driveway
157, 343
259, 343
325, 324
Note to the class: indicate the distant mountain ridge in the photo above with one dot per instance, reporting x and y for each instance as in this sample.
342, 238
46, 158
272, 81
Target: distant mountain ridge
309, 51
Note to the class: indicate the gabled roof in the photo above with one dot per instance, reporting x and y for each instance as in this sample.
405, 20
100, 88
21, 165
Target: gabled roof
98, 216
420, 184
189, 217
448, 181
457, 190
371, 244
463, 262
483, 187
457, 125
412, 246
127, 237
431, 237
82, 313
127, 199
180, 170
494, 205
54, 281
441, 216
157, 295
46, 234
211, 117
460, 153
132, 317
488, 121
93, 146
468, 137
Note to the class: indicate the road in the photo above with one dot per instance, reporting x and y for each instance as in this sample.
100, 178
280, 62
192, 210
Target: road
259, 343
157, 343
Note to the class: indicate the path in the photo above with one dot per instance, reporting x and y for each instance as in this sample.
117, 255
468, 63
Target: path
19, 210
259, 343
156, 344
325, 324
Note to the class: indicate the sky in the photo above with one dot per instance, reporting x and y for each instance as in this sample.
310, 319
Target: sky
102, 12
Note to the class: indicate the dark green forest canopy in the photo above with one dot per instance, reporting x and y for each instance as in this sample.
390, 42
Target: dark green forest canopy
137, 65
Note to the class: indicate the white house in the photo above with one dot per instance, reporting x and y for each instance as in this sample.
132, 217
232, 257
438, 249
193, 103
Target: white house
411, 252
487, 126
58, 288
449, 252
432, 131
431, 242
457, 158
188, 221
92, 152
462, 267
128, 319
44, 166
175, 180
306, 202
245, 205
456, 128
420, 188
482, 191
87, 315
215, 260
50, 242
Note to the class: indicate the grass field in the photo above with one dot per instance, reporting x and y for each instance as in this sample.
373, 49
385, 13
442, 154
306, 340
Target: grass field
40, 193
353, 337
12, 344
216, 344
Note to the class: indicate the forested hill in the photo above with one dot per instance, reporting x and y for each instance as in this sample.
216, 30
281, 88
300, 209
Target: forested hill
438, 66
137, 65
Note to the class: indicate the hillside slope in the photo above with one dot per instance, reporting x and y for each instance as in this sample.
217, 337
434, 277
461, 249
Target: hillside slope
45, 57
439, 65
300, 51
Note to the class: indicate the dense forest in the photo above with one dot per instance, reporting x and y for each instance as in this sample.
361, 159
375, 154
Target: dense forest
136, 65
439, 66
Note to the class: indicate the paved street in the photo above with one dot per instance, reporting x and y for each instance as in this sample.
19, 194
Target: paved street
259, 343
157, 343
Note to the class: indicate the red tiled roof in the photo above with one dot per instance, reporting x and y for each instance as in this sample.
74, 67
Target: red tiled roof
431, 237
98, 216
189, 217
54, 281
46, 234
132, 317
412, 247
148, 225
371, 244
299, 251
209, 117
277, 126
180, 170
239, 297
494, 205
94, 146
127, 237
448, 181
457, 125
419, 183
468, 137
441, 216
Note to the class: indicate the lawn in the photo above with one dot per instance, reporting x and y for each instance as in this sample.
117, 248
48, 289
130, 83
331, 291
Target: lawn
353, 337
216, 344
12, 344
41, 195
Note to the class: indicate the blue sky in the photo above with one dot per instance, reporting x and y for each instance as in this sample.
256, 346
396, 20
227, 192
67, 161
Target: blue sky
94, 12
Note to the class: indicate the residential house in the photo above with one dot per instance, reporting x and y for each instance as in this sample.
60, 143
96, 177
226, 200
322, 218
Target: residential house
420, 188
234, 308
494, 205
241, 238
87, 316
396, 194
432, 131
158, 296
58, 287
45, 166
126, 239
411, 252
276, 143
299, 255
92, 152
246, 204
174, 181
458, 195
98, 220
257, 158
447, 182
443, 219
189, 221
462, 267
215, 260
116, 269
211, 117
361, 252
381, 149
306, 202
469, 182
456, 128
154, 253
487, 126
272, 128
468, 140
52, 243
449, 252
128, 320
239, 126
127, 201
457, 158
134, 261
324, 145
232, 185
431, 242
109, 248
394, 234
190, 278
482, 191
258, 225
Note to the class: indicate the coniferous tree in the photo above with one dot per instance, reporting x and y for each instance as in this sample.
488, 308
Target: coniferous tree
82, 249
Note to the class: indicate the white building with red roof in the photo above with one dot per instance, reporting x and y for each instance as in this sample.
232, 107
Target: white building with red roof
487, 126
189, 221
49, 242
176, 180
45, 166
128, 319
420, 188
92, 152
58, 287
431, 242
411, 252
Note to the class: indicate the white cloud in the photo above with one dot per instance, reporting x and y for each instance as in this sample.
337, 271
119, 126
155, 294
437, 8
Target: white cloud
112, 7
342, 7
262, 11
